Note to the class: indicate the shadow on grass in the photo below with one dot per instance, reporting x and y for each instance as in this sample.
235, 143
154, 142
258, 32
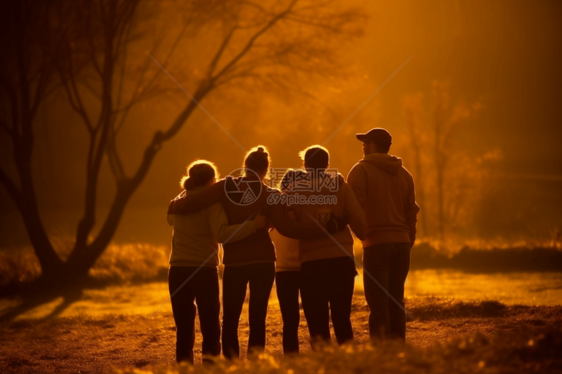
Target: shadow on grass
41, 295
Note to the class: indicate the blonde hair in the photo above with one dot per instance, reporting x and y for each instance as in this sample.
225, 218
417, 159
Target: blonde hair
199, 173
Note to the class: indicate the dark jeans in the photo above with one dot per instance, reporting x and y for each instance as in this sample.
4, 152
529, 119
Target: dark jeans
288, 285
203, 288
234, 283
389, 264
327, 288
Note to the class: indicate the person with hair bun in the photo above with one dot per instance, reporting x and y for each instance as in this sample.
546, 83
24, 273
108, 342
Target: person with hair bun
251, 260
195, 257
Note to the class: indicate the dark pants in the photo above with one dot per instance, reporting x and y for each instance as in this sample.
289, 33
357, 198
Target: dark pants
203, 289
389, 264
327, 288
288, 285
235, 280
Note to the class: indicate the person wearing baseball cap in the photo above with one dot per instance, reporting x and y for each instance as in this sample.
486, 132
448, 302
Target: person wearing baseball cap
385, 191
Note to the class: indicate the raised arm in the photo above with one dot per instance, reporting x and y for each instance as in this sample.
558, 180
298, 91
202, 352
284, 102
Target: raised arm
192, 202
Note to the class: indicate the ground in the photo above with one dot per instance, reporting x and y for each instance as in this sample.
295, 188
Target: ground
107, 342
113, 326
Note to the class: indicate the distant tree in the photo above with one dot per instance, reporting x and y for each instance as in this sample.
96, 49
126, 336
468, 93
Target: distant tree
413, 111
90, 51
447, 176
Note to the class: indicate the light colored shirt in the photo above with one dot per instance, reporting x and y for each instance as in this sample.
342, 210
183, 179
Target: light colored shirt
196, 235
286, 251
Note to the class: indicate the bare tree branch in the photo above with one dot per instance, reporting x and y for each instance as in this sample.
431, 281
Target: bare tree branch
250, 43
215, 60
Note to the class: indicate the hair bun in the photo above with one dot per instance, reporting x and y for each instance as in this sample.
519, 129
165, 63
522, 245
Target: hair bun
261, 150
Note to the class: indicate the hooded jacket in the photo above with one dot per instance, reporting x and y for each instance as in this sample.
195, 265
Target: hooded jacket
341, 201
256, 247
385, 191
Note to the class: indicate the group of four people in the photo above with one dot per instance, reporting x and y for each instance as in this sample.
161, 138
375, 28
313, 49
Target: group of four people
312, 254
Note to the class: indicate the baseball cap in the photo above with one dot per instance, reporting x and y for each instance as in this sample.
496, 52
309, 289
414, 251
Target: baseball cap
378, 135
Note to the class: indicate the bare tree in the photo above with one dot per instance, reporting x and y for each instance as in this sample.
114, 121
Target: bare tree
31, 37
413, 111
445, 175
87, 52
445, 120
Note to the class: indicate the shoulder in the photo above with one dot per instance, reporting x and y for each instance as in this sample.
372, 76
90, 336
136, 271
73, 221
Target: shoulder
407, 172
356, 168
346, 188
357, 171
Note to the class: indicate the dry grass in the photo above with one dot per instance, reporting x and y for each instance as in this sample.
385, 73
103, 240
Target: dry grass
127, 342
146, 262
118, 264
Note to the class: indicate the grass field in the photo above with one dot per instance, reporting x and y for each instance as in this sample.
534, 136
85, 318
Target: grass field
445, 335
110, 328
143, 262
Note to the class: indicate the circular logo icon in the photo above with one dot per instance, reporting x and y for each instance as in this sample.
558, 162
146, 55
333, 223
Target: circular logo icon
241, 190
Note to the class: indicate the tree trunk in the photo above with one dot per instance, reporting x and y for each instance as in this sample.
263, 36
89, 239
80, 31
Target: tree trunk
84, 257
50, 262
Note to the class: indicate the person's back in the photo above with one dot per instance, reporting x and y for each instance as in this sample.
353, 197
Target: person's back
194, 257
245, 198
385, 190
193, 240
328, 267
340, 202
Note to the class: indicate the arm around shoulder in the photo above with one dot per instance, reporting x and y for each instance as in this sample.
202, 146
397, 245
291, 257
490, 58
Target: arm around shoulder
192, 202
222, 231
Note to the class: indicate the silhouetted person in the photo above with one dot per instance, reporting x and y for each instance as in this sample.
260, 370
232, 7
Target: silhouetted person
385, 190
287, 279
195, 254
328, 267
252, 260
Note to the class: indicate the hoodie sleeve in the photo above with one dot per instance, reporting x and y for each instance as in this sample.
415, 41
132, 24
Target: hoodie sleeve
412, 209
357, 179
192, 202
357, 219
286, 226
222, 231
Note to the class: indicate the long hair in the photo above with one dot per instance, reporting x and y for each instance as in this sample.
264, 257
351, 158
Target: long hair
199, 173
257, 160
